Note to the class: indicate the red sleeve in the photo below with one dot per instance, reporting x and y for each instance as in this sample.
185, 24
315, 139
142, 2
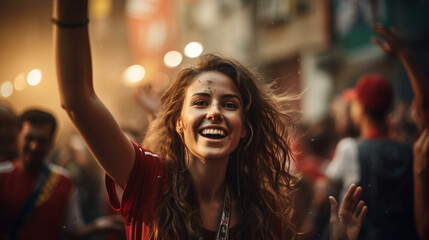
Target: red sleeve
141, 193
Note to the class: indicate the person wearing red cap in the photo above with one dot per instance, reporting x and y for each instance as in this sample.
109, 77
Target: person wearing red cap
372, 99
385, 166
381, 165
372, 95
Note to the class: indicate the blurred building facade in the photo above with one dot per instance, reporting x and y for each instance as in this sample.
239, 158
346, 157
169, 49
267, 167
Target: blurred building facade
318, 48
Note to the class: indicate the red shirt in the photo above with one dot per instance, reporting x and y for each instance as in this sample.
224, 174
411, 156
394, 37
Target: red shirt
47, 219
142, 194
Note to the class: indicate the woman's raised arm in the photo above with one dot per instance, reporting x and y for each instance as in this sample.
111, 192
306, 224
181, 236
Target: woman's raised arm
104, 137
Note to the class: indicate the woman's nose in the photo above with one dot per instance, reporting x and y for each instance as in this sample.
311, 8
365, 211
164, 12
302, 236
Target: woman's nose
214, 113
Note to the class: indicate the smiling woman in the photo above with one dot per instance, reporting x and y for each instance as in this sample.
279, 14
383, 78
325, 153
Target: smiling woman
215, 162
228, 133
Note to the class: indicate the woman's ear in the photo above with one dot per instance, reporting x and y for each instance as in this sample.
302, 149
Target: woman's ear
179, 126
244, 132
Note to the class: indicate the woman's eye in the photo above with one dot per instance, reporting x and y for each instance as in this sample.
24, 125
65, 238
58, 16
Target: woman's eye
231, 105
199, 103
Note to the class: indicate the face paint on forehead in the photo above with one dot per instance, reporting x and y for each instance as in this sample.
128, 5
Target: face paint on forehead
209, 88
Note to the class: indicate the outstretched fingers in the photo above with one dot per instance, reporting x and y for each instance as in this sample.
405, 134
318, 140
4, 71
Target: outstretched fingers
391, 41
361, 211
346, 222
362, 214
377, 42
334, 209
382, 31
351, 205
356, 196
348, 198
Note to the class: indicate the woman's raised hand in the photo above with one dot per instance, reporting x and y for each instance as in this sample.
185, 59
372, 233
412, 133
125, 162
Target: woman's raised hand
345, 223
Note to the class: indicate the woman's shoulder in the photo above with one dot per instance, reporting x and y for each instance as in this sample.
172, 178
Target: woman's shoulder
147, 162
145, 151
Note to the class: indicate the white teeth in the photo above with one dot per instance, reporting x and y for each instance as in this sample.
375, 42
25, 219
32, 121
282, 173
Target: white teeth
212, 131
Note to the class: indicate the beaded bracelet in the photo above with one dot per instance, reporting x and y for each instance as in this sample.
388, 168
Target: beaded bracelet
70, 25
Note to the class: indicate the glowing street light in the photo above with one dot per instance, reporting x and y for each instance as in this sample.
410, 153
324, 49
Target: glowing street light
193, 49
19, 82
34, 77
134, 74
6, 89
172, 59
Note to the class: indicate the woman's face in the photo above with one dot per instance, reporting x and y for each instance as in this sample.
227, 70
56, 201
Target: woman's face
212, 120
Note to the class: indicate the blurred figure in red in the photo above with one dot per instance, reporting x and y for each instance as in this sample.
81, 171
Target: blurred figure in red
38, 200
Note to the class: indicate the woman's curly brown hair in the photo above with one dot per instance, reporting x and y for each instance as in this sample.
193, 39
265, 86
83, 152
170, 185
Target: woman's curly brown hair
258, 169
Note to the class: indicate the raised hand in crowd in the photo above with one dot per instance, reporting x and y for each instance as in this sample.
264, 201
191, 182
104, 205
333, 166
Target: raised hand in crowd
345, 223
393, 43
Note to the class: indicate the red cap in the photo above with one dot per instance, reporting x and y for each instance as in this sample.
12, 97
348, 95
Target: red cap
374, 92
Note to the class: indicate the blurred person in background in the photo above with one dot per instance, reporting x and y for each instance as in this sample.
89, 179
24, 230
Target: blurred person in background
340, 112
88, 178
384, 166
317, 146
343, 169
38, 200
85, 174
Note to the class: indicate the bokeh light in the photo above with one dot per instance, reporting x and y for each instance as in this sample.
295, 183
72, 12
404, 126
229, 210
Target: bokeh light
100, 9
193, 49
6, 89
19, 82
134, 74
172, 58
34, 77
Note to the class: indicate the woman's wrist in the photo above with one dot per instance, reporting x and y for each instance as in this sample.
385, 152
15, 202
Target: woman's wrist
70, 12
62, 24
406, 54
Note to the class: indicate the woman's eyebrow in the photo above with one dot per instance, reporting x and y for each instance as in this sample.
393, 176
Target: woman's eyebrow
231, 96
203, 94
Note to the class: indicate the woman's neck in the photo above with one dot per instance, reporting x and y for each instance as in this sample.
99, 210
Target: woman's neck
208, 177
